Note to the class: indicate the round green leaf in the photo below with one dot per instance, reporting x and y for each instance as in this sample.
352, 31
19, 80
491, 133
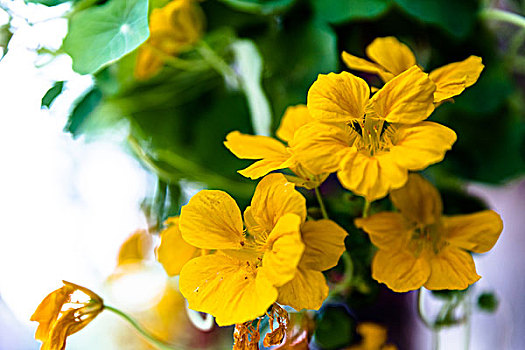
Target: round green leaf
102, 34
338, 11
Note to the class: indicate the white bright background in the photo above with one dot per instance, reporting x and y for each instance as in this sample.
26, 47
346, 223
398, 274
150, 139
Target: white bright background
67, 205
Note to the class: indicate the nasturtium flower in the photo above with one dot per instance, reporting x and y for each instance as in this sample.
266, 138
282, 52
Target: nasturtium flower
374, 337
391, 57
272, 154
136, 248
173, 251
173, 29
257, 263
63, 312
418, 246
371, 142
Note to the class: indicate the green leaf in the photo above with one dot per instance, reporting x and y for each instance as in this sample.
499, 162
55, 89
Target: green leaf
294, 56
82, 110
102, 34
249, 66
52, 93
263, 7
455, 17
488, 302
335, 327
339, 11
48, 2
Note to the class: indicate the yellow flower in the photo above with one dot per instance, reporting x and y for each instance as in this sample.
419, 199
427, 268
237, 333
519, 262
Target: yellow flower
374, 337
418, 246
173, 251
371, 142
272, 154
64, 312
173, 28
135, 248
392, 58
251, 268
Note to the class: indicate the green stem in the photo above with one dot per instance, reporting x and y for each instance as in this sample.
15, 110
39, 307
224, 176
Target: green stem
421, 310
217, 63
348, 273
366, 209
468, 324
503, 16
321, 202
176, 62
159, 344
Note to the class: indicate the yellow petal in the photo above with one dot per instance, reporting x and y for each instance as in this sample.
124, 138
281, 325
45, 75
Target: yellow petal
452, 268
363, 65
325, 243
136, 248
408, 98
391, 54
338, 97
284, 250
400, 270
148, 64
48, 310
273, 198
476, 232
374, 336
227, 288
453, 78
173, 251
371, 177
294, 117
212, 220
419, 145
418, 201
320, 147
272, 152
307, 290
387, 230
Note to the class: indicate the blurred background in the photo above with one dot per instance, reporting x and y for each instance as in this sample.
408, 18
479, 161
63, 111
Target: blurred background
103, 155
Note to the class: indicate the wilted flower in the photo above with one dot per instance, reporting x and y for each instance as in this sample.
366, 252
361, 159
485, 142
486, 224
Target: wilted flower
64, 312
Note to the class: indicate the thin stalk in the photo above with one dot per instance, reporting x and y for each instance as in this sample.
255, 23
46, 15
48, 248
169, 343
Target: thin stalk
159, 344
176, 62
217, 63
468, 321
348, 273
421, 310
503, 16
366, 209
321, 202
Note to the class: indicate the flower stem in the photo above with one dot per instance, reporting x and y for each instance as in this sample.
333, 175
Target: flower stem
159, 344
348, 273
217, 63
421, 310
366, 209
503, 16
321, 203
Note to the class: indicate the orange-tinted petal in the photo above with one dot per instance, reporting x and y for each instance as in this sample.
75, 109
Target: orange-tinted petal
391, 54
273, 198
417, 146
148, 64
307, 290
325, 243
273, 154
294, 117
363, 65
400, 270
212, 220
453, 78
227, 288
371, 177
418, 201
452, 268
408, 98
320, 147
173, 251
476, 232
387, 230
136, 248
284, 249
338, 97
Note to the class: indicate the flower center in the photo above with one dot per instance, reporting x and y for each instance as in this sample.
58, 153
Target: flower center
427, 238
375, 135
